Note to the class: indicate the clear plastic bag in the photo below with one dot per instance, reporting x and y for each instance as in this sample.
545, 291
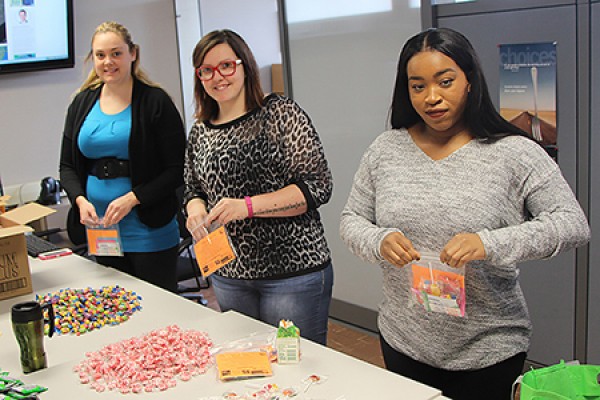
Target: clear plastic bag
438, 287
245, 358
214, 249
104, 240
257, 341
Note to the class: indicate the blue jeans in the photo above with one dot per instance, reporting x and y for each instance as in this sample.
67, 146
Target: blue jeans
302, 299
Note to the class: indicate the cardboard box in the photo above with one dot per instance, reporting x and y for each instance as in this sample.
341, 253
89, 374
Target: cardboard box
3, 201
15, 276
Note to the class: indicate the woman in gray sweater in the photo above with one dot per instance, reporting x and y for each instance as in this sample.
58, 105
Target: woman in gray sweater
455, 179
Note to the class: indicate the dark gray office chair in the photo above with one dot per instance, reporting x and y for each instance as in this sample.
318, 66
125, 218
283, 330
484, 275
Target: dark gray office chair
187, 267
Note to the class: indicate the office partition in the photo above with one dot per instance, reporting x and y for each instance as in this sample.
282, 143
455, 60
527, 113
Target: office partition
341, 65
593, 333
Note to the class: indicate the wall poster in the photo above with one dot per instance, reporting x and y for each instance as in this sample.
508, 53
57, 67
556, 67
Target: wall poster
528, 90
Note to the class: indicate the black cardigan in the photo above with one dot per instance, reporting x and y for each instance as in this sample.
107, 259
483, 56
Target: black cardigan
156, 152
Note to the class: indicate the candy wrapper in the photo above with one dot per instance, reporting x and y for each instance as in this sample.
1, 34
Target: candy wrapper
437, 287
288, 343
14, 389
269, 391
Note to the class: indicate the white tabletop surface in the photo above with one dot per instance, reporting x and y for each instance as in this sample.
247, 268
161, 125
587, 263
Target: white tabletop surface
347, 378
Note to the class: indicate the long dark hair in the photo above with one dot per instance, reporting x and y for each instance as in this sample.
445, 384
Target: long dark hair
206, 107
480, 117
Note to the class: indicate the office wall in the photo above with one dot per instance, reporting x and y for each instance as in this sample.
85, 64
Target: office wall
188, 34
33, 105
256, 21
594, 277
342, 74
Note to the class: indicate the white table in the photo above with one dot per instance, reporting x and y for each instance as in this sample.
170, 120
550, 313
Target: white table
347, 378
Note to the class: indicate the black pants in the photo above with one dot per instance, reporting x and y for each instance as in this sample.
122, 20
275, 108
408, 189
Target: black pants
158, 267
490, 383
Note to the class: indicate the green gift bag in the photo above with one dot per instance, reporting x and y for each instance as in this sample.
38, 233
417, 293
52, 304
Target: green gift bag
562, 382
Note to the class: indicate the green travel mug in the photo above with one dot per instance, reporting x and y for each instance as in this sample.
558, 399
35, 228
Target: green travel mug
28, 326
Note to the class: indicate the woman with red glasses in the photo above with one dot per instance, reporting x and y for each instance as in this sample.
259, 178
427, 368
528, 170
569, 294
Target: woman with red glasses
256, 165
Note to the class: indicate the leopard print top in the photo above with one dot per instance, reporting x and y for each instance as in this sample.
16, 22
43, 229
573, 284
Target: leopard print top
261, 152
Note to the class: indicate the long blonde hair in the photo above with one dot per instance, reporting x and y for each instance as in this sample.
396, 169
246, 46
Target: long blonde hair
93, 80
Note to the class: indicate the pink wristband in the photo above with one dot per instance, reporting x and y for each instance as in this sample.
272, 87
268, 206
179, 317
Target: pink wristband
249, 206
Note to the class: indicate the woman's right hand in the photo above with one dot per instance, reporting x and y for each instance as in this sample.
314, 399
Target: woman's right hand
87, 211
196, 220
398, 250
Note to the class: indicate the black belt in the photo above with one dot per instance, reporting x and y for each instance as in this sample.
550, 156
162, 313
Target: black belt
109, 168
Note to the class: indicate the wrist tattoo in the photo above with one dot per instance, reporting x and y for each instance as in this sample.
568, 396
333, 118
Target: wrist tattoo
277, 209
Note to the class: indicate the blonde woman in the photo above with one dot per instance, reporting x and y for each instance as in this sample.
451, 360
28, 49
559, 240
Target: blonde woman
122, 158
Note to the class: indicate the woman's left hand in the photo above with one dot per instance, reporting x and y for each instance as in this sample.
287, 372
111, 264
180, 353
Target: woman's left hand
119, 208
227, 210
461, 249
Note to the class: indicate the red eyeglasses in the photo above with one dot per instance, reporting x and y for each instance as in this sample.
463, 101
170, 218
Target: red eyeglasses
206, 72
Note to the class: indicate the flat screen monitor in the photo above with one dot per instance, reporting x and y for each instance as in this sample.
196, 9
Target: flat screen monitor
36, 34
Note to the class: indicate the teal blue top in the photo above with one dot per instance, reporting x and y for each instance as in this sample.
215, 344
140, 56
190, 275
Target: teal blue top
107, 135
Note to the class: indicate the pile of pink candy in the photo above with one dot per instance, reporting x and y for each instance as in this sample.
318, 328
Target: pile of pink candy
152, 362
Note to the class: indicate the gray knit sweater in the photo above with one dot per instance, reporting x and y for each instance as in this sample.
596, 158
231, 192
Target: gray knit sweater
510, 193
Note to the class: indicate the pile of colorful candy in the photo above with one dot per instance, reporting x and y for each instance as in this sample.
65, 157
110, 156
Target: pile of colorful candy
150, 363
82, 310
